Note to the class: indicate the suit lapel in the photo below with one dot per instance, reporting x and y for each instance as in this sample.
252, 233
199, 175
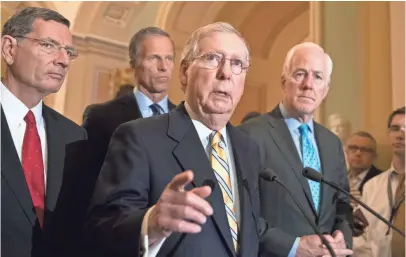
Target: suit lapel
324, 149
12, 171
283, 139
192, 156
171, 106
242, 171
55, 158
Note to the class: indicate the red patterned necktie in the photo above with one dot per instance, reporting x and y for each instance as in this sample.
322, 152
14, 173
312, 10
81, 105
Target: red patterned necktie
33, 165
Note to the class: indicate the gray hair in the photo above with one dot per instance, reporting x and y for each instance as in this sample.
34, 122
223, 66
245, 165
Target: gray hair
289, 57
190, 50
365, 135
20, 23
136, 41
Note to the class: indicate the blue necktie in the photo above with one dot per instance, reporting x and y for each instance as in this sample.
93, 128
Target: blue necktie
156, 109
311, 160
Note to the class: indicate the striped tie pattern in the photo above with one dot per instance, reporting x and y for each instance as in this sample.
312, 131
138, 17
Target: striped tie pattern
221, 170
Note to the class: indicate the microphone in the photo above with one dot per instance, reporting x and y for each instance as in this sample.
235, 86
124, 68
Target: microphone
207, 182
316, 176
270, 176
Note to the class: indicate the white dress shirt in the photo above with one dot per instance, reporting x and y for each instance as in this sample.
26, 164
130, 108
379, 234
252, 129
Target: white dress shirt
15, 112
204, 136
375, 242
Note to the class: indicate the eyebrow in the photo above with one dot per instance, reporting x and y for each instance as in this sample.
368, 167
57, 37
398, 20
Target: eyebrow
57, 43
304, 70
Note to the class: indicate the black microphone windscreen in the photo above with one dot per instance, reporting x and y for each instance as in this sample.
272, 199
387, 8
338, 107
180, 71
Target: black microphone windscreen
210, 183
268, 174
312, 174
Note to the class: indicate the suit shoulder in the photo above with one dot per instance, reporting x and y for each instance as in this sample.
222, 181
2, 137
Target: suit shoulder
254, 125
321, 129
147, 126
66, 123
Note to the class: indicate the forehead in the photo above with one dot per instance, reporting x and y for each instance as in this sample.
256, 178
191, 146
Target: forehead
360, 141
52, 29
223, 42
309, 59
157, 43
398, 119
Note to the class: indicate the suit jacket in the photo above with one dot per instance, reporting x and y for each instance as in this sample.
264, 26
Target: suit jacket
279, 153
21, 234
373, 171
143, 157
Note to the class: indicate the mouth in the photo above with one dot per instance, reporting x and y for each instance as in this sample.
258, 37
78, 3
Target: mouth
399, 145
162, 79
307, 97
221, 93
58, 76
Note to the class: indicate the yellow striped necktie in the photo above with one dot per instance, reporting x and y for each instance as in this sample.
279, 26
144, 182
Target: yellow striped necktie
221, 169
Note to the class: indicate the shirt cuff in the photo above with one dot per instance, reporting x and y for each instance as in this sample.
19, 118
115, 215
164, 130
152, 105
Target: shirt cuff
292, 252
149, 250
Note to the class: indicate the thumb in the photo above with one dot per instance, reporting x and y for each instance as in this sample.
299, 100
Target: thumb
181, 180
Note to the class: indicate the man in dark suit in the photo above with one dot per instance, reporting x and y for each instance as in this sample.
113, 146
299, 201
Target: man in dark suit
361, 154
37, 49
289, 140
150, 187
151, 52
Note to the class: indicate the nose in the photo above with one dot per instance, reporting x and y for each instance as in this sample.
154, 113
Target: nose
62, 59
224, 71
162, 65
308, 81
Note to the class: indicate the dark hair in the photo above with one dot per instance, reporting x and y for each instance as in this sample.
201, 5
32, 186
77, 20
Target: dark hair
20, 23
124, 89
136, 40
400, 110
250, 115
364, 134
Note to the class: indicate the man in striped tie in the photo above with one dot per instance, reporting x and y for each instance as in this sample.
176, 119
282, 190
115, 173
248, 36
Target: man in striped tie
149, 199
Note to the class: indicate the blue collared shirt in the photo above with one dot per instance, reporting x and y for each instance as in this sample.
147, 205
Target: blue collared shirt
144, 102
293, 126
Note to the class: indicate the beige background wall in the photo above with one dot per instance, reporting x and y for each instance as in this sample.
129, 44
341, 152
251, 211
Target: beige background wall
365, 40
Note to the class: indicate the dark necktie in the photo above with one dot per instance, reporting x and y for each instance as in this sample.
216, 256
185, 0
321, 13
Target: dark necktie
156, 109
33, 165
398, 242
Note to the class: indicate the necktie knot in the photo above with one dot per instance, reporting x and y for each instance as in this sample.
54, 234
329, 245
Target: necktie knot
156, 109
303, 129
216, 138
30, 119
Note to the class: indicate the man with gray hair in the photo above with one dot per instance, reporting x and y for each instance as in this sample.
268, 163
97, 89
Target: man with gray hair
36, 46
289, 140
185, 183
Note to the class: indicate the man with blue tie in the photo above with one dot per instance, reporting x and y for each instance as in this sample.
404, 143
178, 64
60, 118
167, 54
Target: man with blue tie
289, 140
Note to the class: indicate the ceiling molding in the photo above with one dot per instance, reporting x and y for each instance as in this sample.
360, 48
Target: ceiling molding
93, 44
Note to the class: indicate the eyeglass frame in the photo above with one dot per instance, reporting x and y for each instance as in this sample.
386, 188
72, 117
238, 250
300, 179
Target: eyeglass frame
355, 148
396, 128
56, 44
222, 61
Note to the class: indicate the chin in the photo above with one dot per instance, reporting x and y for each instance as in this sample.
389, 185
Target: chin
217, 109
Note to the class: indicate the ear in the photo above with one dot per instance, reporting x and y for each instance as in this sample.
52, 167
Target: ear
283, 81
8, 49
183, 73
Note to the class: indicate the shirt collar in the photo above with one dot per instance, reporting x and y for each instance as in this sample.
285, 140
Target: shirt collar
144, 102
15, 110
202, 130
293, 123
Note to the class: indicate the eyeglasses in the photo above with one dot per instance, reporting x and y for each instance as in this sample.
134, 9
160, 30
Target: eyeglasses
397, 128
355, 148
213, 61
53, 48
301, 74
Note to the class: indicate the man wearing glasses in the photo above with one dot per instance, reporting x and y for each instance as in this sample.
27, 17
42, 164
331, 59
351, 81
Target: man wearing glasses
150, 188
385, 194
36, 46
361, 153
